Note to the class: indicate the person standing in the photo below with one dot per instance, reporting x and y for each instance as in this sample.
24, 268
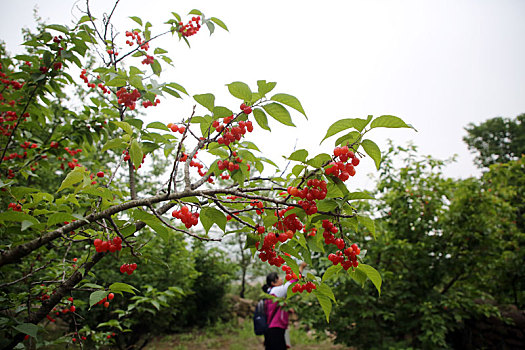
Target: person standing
277, 317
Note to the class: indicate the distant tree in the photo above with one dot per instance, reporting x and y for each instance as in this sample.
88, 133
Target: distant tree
497, 140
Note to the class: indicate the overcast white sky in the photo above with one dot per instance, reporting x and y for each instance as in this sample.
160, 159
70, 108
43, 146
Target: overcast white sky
436, 64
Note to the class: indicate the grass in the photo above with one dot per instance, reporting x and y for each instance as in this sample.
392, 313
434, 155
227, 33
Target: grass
233, 336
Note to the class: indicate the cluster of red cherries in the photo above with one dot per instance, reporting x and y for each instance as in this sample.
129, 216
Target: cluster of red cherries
108, 246
128, 268
190, 29
344, 167
188, 218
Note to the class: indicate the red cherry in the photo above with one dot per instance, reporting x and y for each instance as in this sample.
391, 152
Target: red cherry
111, 296
100, 174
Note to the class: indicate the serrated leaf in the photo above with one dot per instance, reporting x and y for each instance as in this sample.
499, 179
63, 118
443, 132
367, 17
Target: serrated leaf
299, 155
373, 151
178, 87
389, 121
221, 112
359, 195
279, 113
124, 126
17, 216
264, 87
75, 176
156, 67
291, 262
297, 169
348, 139
195, 12
343, 124
290, 101
240, 90
372, 274
319, 160
136, 19
326, 290
205, 100
327, 205
209, 216
113, 143
135, 152
331, 271
59, 28
157, 125
27, 328
153, 222
97, 296
118, 287
368, 223
211, 27
326, 304
261, 119
117, 82
358, 275
59, 218
219, 23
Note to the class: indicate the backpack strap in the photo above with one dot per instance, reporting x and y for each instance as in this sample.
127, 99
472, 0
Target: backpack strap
273, 314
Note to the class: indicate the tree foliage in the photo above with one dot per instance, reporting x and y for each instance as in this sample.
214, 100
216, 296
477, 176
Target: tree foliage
443, 247
75, 194
496, 140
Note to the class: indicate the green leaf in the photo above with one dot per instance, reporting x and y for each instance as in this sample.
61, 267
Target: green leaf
118, 287
117, 82
299, 155
291, 262
59, 218
206, 100
157, 125
331, 271
326, 290
27, 328
59, 28
153, 222
219, 23
195, 12
389, 121
178, 87
325, 302
373, 151
210, 216
359, 195
221, 112
136, 19
113, 143
348, 139
319, 160
261, 119
156, 67
343, 124
290, 101
368, 223
211, 27
327, 205
97, 296
124, 126
75, 176
135, 152
264, 87
279, 113
171, 92
240, 90
372, 274
358, 275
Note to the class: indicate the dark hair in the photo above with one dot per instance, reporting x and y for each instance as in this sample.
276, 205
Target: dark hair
271, 277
